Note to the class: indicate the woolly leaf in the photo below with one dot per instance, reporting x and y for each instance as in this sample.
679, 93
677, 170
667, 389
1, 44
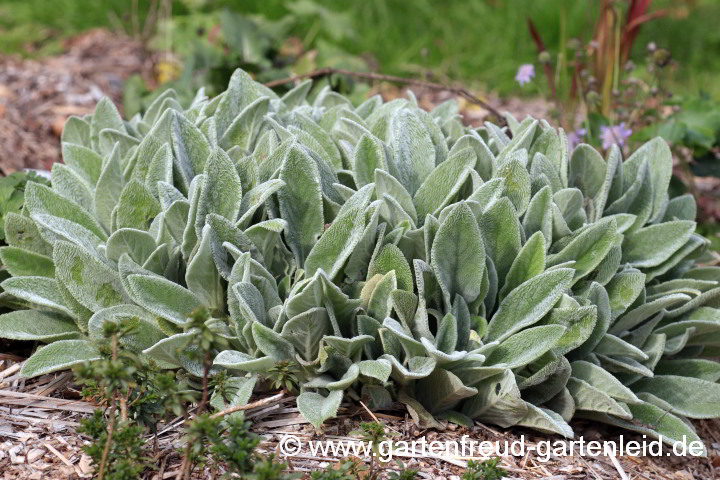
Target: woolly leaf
58, 356
528, 303
524, 347
37, 326
316, 408
301, 202
690, 397
414, 150
163, 297
458, 255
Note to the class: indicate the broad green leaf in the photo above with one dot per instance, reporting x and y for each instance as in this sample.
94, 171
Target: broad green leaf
37, 326
587, 249
524, 347
369, 155
221, 192
502, 236
517, 183
545, 421
190, 146
145, 329
498, 401
413, 147
590, 398
386, 184
330, 149
41, 291
442, 391
604, 381
587, 170
529, 263
458, 256
21, 232
136, 243
690, 397
653, 421
442, 183
241, 91
580, 323
91, 282
614, 346
163, 297
391, 258
76, 130
60, 355
71, 185
304, 332
335, 246
272, 343
109, 188
657, 152
137, 207
301, 202
40, 199
20, 262
201, 275
316, 408
623, 289
106, 115
83, 161
652, 245
160, 170
244, 128
690, 367
234, 360
528, 303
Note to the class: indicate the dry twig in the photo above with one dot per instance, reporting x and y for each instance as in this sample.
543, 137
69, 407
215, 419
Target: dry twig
459, 91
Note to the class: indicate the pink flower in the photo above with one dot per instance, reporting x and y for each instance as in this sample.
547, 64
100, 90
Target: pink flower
614, 135
576, 137
525, 73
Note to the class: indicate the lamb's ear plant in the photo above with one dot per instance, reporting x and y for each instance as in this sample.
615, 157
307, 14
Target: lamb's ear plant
392, 254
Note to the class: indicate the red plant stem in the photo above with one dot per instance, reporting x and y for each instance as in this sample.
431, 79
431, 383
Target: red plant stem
540, 45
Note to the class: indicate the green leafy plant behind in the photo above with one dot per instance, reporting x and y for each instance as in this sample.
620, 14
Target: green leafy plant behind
12, 194
392, 254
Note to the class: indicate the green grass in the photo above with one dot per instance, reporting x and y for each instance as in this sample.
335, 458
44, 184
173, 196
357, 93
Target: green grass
485, 41
478, 42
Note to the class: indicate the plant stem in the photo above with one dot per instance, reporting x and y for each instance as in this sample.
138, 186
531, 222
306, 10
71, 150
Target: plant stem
206, 377
185, 459
259, 403
108, 442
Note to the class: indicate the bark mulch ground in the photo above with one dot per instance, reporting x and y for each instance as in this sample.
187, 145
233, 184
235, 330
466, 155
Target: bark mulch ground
37, 96
39, 417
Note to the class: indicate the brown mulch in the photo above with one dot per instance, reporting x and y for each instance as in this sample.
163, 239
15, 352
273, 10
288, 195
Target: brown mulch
473, 114
37, 96
39, 418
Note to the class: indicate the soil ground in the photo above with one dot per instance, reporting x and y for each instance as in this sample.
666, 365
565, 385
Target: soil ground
39, 418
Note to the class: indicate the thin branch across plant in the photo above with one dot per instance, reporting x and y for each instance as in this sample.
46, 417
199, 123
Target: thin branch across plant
459, 91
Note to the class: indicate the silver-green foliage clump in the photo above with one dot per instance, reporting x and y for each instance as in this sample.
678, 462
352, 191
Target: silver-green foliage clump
393, 253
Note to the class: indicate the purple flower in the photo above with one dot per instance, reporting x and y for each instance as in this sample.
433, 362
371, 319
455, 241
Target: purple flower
525, 73
576, 137
614, 135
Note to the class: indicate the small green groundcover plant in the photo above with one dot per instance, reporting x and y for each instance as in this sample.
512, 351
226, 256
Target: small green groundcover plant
385, 253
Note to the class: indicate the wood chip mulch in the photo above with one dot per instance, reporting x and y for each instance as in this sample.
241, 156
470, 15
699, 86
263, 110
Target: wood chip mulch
37, 96
39, 417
